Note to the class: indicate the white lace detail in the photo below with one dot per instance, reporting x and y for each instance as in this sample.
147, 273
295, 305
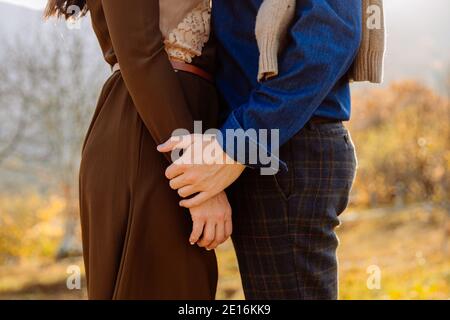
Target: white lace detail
187, 40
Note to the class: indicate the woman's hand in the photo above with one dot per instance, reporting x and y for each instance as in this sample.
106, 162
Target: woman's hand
212, 224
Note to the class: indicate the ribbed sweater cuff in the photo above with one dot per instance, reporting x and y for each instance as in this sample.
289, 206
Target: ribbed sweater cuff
268, 58
369, 67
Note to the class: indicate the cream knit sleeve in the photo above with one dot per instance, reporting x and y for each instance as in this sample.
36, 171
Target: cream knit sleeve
275, 16
272, 22
368, 65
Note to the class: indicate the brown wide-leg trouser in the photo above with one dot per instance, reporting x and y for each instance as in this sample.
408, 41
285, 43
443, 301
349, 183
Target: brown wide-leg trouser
135, 235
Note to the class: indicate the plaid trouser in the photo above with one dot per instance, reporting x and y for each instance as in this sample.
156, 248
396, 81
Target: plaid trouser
284, 225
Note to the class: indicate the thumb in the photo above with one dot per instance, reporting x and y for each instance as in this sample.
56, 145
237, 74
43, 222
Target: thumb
175, 142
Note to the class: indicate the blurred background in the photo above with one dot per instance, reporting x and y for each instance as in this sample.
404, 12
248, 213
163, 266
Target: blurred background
394, 237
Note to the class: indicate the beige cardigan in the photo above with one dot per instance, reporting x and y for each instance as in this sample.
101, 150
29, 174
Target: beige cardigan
275, 17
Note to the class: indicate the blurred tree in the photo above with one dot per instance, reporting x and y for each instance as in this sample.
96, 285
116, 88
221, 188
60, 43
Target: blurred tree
402, 137
49, 84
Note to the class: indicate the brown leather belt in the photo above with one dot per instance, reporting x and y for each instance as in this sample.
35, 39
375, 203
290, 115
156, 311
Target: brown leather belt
182, 66
186, 67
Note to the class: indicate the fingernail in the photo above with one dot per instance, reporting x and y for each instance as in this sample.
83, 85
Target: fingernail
192, 243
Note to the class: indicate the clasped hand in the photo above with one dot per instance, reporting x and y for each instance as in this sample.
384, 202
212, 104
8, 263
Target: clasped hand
202, 173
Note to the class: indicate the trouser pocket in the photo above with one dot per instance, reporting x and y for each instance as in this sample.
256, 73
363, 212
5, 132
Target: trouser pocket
284, 180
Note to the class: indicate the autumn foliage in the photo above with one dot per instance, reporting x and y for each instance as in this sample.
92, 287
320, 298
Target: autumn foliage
402, 135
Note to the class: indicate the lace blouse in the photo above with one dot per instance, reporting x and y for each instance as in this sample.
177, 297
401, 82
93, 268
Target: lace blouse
185, 26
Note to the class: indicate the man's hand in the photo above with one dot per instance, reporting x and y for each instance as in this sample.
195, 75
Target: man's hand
204, 168
212, 224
